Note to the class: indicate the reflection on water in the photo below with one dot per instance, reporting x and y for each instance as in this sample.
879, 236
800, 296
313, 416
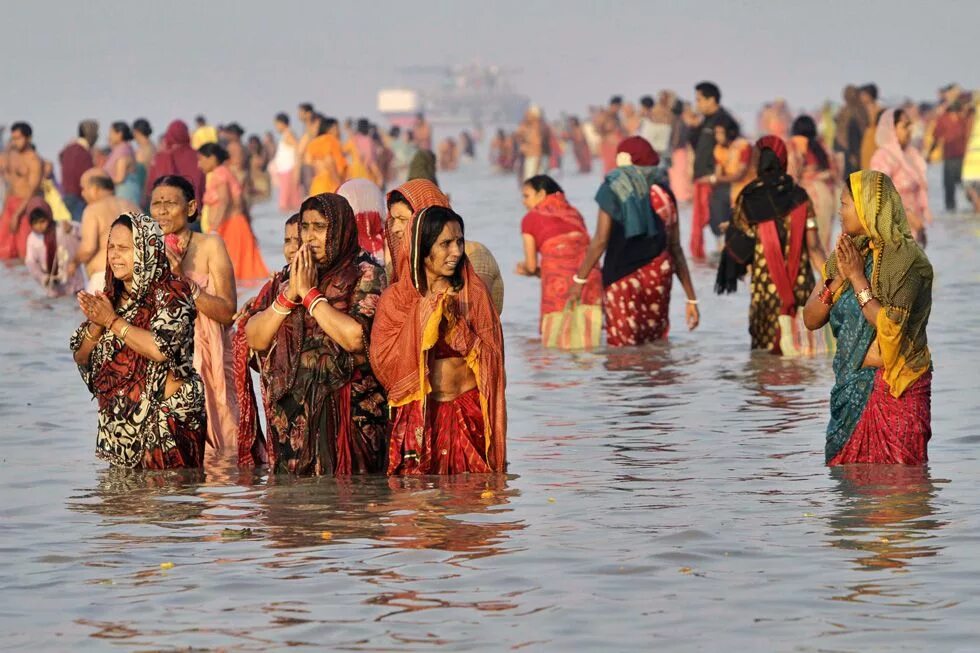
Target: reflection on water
667, 497
885, 515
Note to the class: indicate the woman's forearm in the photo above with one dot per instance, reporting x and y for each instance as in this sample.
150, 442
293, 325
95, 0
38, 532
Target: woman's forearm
261, 329
340, 327
217, 308
139, 340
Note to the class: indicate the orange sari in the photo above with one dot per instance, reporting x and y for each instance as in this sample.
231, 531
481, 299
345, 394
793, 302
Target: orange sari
327, 158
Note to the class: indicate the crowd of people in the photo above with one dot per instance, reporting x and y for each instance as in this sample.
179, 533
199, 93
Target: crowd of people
379, 346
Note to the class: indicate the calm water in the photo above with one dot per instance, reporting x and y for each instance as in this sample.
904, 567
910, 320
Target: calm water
672, 497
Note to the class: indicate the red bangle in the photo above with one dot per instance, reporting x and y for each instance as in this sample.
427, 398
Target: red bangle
310, 297
285, 301
827, 295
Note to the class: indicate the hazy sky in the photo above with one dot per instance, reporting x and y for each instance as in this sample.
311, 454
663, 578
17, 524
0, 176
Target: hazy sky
245, 60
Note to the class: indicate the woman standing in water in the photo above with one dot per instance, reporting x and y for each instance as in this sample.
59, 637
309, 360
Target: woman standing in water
773, 230
326, 412
905, 166
203, 262
880, 407
121, 164
437, 347
638, 232
811, 166
224, 214
135, 353
554, 229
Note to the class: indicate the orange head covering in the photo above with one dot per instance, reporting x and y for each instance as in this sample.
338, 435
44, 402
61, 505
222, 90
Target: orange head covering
420, 194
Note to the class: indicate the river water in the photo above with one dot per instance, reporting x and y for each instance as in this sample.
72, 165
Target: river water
672, 497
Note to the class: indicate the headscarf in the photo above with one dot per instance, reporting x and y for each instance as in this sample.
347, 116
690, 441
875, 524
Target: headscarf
337, 276
421, 194
368, 203
423, 166
771, 196
908, 159
406, 327
176, 157
625, 192
773, 193
128, 386
901, 278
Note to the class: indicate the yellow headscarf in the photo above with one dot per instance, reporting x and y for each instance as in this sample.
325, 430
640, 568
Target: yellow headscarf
901, 279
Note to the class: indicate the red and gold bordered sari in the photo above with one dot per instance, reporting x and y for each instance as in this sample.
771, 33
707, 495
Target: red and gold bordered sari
468, 433
561, 255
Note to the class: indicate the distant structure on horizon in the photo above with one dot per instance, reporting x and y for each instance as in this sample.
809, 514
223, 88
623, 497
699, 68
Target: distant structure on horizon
469, 95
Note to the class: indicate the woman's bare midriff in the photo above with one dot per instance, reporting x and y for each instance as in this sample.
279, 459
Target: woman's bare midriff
172, 386
450, 378
873, 357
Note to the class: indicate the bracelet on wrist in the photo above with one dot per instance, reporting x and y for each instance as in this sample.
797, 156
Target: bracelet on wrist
279, 311
124, 331
864, 297
579, 280
313, 304
693, 302
311, 296
286, 302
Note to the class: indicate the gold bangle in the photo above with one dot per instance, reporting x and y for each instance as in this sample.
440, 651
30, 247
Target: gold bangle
124, 332
195, 291
88, 334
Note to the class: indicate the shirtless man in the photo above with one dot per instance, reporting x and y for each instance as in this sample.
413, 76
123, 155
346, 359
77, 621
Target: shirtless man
23, 173
102, 209
532, 135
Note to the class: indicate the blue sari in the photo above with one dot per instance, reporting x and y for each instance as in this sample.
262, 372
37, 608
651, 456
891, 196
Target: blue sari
854, 382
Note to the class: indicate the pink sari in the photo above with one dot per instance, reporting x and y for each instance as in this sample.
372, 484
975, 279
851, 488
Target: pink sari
906, 167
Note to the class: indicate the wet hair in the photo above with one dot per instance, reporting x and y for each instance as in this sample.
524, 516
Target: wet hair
394, 197
731, 127
616, 99
182, 184
436, 218
306, 106
38, 214
123, 130
294, 219
22, 128
805, 126
870, 89
709, 90
215, 150
326, 124
283, 118
363, 126
142, 125
103, 182
543, 183
646, 102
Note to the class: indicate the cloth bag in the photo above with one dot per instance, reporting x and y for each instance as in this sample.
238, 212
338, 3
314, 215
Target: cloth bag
578, 326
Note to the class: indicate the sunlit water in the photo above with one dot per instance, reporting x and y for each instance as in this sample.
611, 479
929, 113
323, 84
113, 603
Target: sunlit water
665, 498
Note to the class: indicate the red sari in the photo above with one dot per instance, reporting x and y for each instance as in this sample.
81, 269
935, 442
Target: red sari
562, 240
468, 433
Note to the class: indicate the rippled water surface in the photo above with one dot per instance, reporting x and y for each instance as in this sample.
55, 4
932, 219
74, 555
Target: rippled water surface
670, 498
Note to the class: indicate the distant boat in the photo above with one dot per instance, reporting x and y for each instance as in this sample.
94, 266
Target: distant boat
469, 96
